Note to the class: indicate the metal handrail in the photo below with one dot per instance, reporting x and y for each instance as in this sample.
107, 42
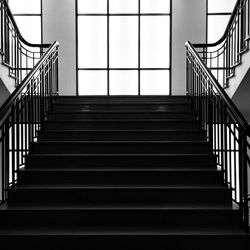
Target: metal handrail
226, 130
23, 114
232, 107
197, 45
18, 54
9, 102
10, 15
228, 50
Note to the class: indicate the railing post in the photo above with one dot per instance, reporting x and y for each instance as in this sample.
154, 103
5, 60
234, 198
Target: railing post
244, 179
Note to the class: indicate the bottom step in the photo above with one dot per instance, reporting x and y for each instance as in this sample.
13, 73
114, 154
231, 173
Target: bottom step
139, 239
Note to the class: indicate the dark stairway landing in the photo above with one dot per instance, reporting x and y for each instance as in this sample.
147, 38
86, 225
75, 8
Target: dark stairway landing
121, 173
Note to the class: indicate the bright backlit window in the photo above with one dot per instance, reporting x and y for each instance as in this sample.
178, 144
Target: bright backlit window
27, 14
123, 47
218, 14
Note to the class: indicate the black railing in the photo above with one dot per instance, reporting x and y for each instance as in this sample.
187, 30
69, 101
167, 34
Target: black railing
225, 55
18, 54
23, 115
225, 127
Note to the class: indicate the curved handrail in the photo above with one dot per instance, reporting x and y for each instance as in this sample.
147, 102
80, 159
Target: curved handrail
225, 55
233, 109
224, 36
9, 102
10, 15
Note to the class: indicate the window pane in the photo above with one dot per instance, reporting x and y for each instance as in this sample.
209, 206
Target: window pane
216, 27
30, 28
92, 42
155, 41
124, 82
155, 82
123, 42
155, 6
123, 6
25, 6
92, 82
221, 6
92, 6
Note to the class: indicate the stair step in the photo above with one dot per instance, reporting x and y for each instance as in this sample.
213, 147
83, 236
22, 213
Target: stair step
121, 177
117, 194
64, 115
120, 124
139, 217
121, 135
120, 147
122, 99
121, 160
152, 106
179, 238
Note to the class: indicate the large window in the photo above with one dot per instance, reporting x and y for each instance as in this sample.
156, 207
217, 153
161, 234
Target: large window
123, 47
28, 16
218, 15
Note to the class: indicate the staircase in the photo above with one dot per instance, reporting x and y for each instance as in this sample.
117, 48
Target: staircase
121, 173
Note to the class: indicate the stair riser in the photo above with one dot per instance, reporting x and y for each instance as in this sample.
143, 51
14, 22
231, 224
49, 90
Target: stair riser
121, 136
121, 107
122, 178
119, 115
65, 125
146, 161
122, 99
122, 196
119, 148
159, 241
121, 218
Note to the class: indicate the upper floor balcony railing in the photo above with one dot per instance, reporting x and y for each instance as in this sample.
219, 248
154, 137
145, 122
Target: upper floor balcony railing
18, 55
225, 55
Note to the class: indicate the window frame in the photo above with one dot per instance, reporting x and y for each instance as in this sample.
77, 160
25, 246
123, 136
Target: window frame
34, 14
139, 68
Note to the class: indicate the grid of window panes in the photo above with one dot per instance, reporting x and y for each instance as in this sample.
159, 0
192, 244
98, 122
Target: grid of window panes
123, 47
218, 15
28, 16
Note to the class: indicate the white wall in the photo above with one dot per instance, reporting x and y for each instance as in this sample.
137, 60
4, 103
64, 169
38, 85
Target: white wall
7, 83
59, 24
240, 72
189, 23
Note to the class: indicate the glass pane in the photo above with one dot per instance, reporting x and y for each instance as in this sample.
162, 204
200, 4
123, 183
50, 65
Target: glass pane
92, 42
215, 6
92, 6
30, 28
216, 27
155, 82
155, 41
123, 6
124, 82
92, 82
25, 6
123, 42
155, 6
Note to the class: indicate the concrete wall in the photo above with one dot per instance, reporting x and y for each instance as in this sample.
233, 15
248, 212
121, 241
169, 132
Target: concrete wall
59, 24
189, 23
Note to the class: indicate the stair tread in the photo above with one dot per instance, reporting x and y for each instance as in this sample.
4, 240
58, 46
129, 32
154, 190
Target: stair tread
122, 120
115, 187
123, 142
167, 207
120, 170
133, 231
